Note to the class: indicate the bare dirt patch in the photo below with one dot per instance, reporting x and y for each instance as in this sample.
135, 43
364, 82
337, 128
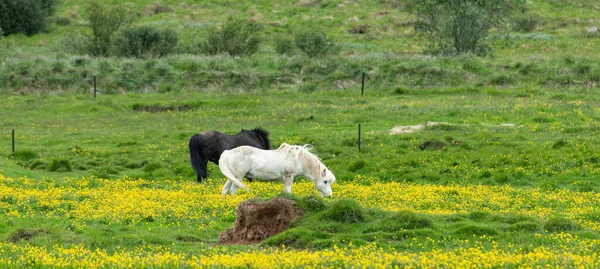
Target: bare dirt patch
257, 221
26, 234
414, 128
161, 108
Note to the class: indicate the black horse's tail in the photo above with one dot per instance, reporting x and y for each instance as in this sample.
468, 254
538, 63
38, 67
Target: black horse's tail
197, 156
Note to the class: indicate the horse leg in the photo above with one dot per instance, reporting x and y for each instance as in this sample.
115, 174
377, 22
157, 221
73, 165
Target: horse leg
233, 182
226, 187
233, 189
288, 179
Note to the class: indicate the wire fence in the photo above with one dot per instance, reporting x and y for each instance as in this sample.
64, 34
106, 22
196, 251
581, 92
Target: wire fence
97, 83
359, 132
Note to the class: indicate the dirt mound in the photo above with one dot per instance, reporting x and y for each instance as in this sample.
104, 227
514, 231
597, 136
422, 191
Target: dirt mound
25, 234
256, 221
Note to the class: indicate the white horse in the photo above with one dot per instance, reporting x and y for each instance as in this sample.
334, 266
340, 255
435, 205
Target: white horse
287, 162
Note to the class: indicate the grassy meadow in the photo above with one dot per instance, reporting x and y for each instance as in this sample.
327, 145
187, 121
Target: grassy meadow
508, 177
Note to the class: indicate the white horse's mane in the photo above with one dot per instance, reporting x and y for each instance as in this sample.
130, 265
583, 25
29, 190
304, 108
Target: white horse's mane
303, 153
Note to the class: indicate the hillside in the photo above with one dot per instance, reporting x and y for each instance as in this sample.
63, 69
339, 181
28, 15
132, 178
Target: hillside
376, 38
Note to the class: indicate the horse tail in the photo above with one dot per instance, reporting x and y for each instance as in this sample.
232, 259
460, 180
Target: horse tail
197, 157
227, 172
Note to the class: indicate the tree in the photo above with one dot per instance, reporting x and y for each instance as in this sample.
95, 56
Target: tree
455, 27
236, 38
104, 21
145, 41
28, 17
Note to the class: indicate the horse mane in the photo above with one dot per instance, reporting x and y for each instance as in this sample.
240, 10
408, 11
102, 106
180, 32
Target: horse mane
263, 135
303, 153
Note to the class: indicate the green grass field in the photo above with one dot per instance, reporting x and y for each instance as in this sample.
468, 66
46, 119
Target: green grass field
509, 177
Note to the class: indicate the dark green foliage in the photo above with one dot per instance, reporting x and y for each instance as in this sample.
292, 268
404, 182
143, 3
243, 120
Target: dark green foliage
24, 155
59, 165
479, 215
502, 80
401, 91
345, 210
560, 144
458, 27
150, 167
62, 21
475, 230
37, 164
184, 170
236, 38
356, 165
133, 165
104, 22
145, 42
432, 145
560, 224
410, 220
298, 238
314, 42
525, 23
317, 229
285, 46
312, 203
28, 17
308, 87
525, 226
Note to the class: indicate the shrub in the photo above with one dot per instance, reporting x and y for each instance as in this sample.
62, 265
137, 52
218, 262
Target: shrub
63, 21
24, 155
285, 46
145, 41
235, 37
104, 21
28, 17
525, 23
561, 224
410, 220
59, 165
150, 167
315, 43
75, 43
458, 27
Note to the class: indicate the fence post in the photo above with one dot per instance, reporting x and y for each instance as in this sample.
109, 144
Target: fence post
94, 87
362, 88
359, 137
13, 140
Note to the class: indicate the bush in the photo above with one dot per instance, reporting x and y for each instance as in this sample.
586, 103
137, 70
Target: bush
561, 224
24, 155
59, 165
28, 17
144, 42
525, 24
235, 37
458, 27
315, 43
285, 46
104, 22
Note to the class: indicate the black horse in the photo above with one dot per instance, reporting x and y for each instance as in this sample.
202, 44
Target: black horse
208, 146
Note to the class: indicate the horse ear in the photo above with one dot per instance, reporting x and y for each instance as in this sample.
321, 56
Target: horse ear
324, 172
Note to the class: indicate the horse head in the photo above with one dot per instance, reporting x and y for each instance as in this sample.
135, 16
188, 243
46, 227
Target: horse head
323, 183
